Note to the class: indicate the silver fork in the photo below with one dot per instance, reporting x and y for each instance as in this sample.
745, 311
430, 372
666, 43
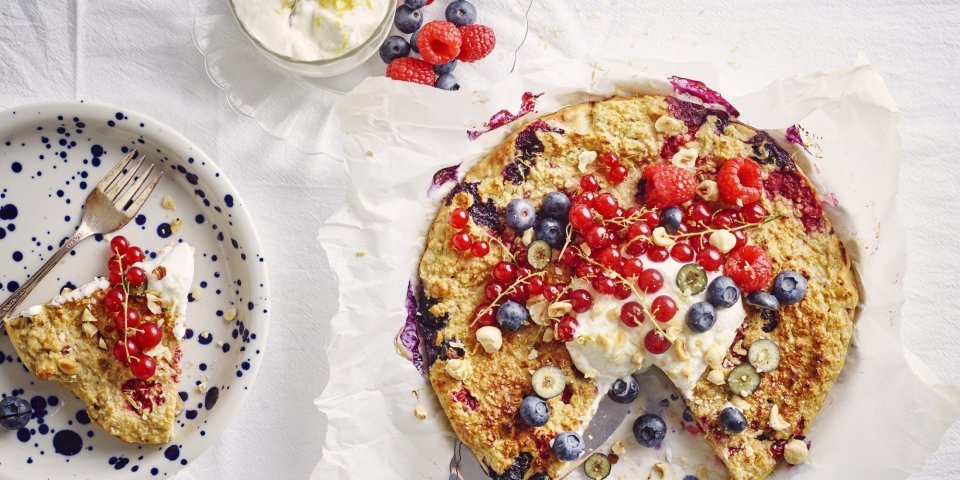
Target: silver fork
111, 205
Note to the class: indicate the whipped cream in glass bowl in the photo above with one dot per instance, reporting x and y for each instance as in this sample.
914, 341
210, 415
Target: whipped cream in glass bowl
315, 38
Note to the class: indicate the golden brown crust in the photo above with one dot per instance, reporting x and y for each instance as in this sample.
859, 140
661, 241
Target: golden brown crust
55, 346
813, 334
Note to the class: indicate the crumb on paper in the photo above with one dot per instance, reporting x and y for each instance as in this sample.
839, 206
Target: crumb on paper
230, 315
201, 387
361, 253
204, 334
619, 447
369, 154
196, 293
167, 203
420, 412
176, 224
658, 472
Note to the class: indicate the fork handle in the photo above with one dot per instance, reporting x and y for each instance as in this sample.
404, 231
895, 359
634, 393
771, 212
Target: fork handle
11, 304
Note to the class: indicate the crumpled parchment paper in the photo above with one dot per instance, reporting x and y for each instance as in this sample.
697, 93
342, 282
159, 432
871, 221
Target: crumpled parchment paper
883, 418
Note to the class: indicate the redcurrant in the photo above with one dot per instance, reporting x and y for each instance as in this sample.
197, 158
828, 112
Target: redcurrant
650, 280
133, 255
119, 245
581, 300
113, 300
493, 290
459, 218
753, 213
142, 367
623, 291
128, 319
484, 316
655, 342
480, 248
147, 336
617, 174
580, 217
122, 351
631, 314
566, 328
709, 258
657, 254
589, 183
461, 241
609, 257
632, 267
606, 205
136, 276
505, 272
682, 252
663, 308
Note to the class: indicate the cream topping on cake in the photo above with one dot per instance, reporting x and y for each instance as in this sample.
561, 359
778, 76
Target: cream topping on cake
604, 349
176, 279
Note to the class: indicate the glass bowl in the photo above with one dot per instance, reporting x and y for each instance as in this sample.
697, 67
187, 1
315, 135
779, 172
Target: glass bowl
328, 67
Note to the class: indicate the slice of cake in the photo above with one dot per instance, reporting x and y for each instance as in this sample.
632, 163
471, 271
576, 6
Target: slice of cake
116, 342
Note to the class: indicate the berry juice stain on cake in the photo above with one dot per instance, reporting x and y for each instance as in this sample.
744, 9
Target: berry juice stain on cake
528, 104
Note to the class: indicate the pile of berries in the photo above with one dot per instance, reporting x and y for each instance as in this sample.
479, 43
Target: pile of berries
440, 44
137, 335
616, 249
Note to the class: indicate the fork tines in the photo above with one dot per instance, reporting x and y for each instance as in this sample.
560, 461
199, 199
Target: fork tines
128, 188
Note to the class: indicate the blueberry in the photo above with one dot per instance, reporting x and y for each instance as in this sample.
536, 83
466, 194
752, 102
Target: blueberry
415, 4
461, 13
670, 219
448, 67
762, 300
556, 205
690, 477
394, 47
688, 415
723, 292
512, 316
552, 231
407, 20
568, 446
701, 317
447, 82
540, 476
649, 429
15, 413
733, 420
789, 287
520, 214
624, 390
413, 41
534, 411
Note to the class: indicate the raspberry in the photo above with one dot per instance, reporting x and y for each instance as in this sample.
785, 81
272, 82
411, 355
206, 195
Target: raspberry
439, 42
409, 69
668, 185
478, 42
749, 267
740, 181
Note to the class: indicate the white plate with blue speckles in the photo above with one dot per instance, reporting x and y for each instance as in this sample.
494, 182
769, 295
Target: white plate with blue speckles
51, 155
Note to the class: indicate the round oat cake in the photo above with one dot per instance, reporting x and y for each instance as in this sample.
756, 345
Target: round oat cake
744, 210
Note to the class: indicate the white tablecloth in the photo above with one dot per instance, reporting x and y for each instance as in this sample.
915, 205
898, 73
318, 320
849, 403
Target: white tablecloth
141, 55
